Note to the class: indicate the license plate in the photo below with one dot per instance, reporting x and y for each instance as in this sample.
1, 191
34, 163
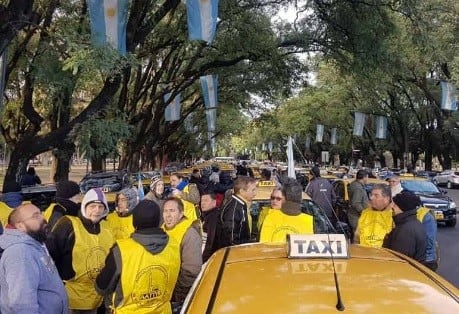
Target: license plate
439, 215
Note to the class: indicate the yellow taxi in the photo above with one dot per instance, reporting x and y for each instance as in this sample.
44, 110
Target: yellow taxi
317, 274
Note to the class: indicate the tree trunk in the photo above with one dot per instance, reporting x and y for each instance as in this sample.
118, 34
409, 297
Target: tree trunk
61, 166
19, 159
97, 164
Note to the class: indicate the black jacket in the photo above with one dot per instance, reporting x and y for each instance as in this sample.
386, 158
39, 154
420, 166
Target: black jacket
408, 236
210, 227
61, 241
234, 223
63, 207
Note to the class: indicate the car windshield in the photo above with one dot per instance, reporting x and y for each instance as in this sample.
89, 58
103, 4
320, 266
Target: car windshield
420, 187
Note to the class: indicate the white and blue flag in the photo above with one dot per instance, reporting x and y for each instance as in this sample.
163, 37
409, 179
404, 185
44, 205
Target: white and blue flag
209, 85
359, 123
333, 136
140, 190
290, 160
211, 117
172, 112
319, 133
202, 19
270, 147
108, 23
3, 65
307, 143
448, 96
381, 127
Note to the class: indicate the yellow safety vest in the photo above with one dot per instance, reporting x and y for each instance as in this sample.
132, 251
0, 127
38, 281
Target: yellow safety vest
421, 212
261, 217
89, 253
121, 227
277, 225
189, 210
147, 280
373, 226
49, 211
5, 211
179, 230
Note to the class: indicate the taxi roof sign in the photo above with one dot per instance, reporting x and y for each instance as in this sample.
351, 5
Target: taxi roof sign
266, 183
317, 246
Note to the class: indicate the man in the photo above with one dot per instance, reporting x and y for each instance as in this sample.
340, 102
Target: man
322, 193
289, 219
358, 198
198, 180
395, 185
188, 193
120, 221
140, 272
375, 222
244, 170
30, 178
79, 246
188, 234
210, 215
277, 199
29, 281
408, 236
67, 197
235, 218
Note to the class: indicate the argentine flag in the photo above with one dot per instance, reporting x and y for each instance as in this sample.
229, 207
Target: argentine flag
140, 191
333, 136
209, 84
108, 23
448, 96
211, 117
359, 123
381, 127
172, 112
202, 19
319, 133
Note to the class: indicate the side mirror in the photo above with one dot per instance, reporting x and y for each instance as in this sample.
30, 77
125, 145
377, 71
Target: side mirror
443, 191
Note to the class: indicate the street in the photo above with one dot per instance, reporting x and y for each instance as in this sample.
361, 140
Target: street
449, 247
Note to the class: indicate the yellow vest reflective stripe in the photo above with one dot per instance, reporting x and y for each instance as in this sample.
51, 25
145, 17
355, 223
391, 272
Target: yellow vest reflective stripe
49, 211
373, 226
5, 211
147, 280
178, 232
89, 253
120, 227
421, 212
261, 217
277, 225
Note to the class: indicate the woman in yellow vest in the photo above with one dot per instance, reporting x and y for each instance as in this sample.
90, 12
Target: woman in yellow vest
277, 198
140, 272
120, 221
289, 219
187, 233
375, 222
79, 246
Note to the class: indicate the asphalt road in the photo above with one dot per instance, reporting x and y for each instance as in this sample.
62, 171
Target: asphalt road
448, 240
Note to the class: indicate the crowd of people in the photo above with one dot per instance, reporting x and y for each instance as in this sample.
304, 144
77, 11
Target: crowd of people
146, 254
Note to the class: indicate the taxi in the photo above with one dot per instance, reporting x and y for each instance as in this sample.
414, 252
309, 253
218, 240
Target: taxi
317, 274
111, 182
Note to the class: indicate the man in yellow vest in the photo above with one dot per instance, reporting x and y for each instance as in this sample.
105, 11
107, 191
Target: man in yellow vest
79, 246
188, 234
140, 272
66, 202
376, 221
120, 221
277, 198
289, 219
188, 193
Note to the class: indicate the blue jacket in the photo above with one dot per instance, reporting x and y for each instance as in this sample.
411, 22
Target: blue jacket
29, 281
430, 225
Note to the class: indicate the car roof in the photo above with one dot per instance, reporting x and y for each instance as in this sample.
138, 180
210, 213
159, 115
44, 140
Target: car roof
259, 278
265, 188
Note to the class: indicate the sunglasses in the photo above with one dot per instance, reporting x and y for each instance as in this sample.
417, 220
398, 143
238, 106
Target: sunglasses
277, 198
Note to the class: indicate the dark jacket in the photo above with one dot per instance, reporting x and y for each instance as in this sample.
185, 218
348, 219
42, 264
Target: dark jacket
61, 241
30, 179
322, 193
63, 207
210, 232
234, 223
154, 240
408, 236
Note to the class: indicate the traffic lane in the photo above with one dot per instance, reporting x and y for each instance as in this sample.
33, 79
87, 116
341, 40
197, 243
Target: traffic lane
447, 238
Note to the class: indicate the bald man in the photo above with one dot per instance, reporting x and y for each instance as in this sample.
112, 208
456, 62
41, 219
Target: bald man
29, 281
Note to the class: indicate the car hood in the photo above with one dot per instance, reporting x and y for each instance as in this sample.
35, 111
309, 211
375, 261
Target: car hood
437, 199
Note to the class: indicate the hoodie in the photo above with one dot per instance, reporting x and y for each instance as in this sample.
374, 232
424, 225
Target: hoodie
29, 281
94, 196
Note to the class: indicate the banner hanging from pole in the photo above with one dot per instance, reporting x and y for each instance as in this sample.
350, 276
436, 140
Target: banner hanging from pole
320, 133
359, 123
333, 136
290, 159
202, 19
448, 96
209, 85
172, 112
381, 127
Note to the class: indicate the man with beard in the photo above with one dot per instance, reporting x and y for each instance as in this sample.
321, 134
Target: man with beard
29, 281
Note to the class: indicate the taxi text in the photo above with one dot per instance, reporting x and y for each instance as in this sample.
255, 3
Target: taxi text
317, 246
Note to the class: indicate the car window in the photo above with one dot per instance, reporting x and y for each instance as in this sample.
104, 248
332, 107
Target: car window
456, 173
338, 186
420, 186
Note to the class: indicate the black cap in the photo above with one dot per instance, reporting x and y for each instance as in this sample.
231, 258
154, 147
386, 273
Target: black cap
315, 171
67, 189
146, 214
407, 201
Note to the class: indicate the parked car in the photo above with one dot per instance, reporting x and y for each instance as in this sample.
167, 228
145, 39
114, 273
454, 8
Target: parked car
448, 178
442, 207
40, 195
110, 182
277, 278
